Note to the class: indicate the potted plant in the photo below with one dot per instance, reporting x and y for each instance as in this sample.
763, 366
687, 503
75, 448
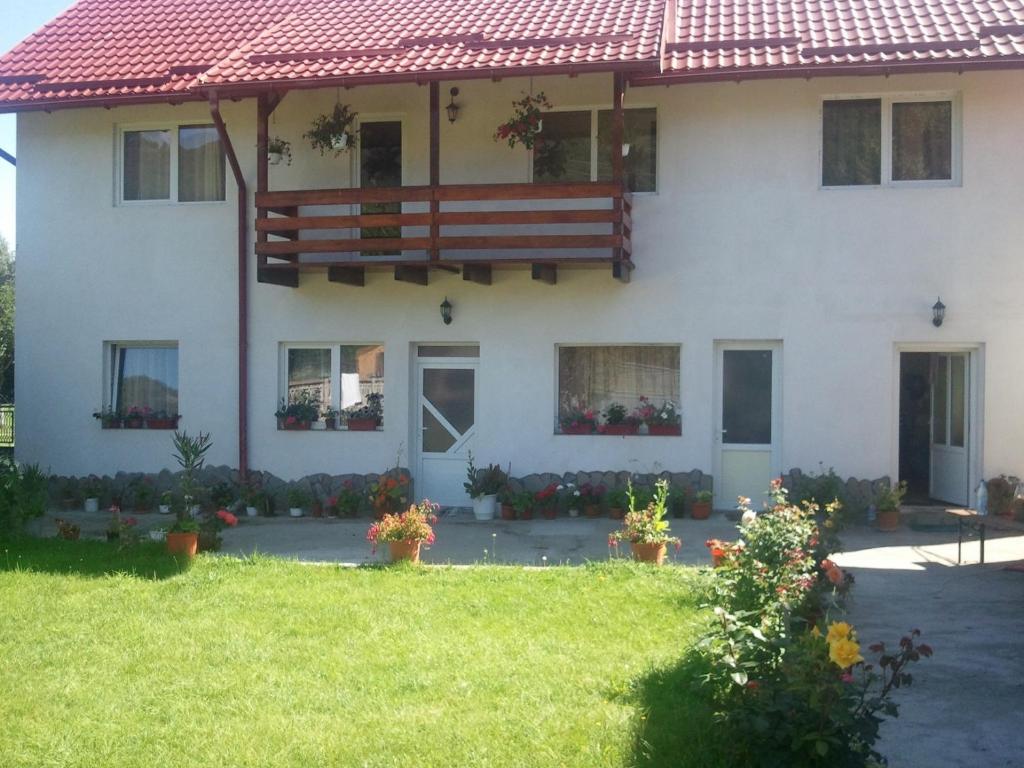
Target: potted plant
405, 533
347, 501
298, 498
158, 534
701, 507
299, 413
335, 132
92, 489
645, 528
677, 502
526, 123
136, 417
1000, 496
547, 499
210, 528
68, 530
143, 495
887, 505
365, 416
183, 538
664, 421
482, 487
166, 499
617, 503
277, 150
618, 421
330, 417
569, 498
522, 505
506, 497
117, 526
162, 420
578, 421
108, 417
592, 496
389, 494
250, 498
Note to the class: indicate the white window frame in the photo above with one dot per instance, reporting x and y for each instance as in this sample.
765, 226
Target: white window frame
335, 349
174, 126
109, 375
888, 99
602, 344
593, 109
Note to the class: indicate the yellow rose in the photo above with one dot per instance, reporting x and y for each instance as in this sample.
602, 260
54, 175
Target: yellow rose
839, 630
845, 653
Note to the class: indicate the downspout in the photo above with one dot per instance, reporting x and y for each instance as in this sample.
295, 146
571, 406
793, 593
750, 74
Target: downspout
243, 288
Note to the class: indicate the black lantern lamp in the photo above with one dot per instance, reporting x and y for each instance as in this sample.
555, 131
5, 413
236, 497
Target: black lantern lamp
452, 109
446, 311
938, 312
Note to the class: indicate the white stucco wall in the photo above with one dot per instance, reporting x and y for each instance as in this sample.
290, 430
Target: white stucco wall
738, 243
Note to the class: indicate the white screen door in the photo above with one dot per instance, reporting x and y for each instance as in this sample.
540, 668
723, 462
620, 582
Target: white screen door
445, 421
748, 425
949, 446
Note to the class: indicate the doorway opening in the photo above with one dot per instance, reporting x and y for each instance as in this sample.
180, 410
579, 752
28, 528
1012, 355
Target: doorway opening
934, 427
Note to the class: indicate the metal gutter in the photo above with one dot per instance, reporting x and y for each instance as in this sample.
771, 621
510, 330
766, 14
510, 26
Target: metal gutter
243, 287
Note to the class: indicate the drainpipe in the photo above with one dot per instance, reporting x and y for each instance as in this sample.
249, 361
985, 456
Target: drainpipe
243, 288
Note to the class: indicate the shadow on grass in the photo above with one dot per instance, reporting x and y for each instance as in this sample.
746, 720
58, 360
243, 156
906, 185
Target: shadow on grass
676, 726
144, 560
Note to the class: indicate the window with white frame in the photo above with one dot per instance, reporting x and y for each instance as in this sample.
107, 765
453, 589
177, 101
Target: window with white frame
173, 163
143, 378
641, 379
575, 145
344, 378
889, 140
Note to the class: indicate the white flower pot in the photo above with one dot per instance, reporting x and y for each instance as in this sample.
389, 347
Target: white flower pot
274, 158
252, 512
295, 511
92, 505
625, 149
164, 509
340, 142
574, 512
158, 535
319, 425
484, 506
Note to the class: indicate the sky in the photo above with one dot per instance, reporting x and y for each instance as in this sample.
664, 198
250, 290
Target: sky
18, 19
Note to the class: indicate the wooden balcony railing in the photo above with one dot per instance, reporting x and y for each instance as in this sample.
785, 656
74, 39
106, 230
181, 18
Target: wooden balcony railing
467, 226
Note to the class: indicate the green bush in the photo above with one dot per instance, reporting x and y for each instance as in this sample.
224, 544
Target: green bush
22, 496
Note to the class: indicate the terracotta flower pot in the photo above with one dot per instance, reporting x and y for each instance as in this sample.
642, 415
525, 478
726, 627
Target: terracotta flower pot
134, 423
508, 512
578, 429
294, 426
665, 430
171, 423
550, 512
700, 510
621, 429
888, 520
616, 513
182, 543
111, 423
404, 550
592, 510
526, 514
361, 425
649, 553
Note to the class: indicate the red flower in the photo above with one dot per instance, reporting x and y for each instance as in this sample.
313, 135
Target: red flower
227, 518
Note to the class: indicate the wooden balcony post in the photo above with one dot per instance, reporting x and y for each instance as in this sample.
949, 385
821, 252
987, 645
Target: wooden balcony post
435, 166
618, 170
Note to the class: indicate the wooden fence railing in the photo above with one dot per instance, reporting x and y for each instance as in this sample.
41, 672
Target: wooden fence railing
6, 426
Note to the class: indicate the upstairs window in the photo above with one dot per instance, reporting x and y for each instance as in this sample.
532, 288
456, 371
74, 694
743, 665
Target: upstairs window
577, 145
182, 163
890, 140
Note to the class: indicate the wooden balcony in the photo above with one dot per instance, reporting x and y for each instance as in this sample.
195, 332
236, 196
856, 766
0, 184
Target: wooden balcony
467, 228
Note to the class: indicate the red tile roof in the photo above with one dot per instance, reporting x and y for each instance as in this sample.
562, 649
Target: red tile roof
719, 39
113, 51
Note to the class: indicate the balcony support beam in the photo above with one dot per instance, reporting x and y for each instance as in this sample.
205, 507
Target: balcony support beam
407, 274
545, 273
477, 273
347, 275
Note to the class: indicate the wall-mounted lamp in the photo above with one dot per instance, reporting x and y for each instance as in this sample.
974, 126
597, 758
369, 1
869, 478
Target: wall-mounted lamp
446, 311
938, 313
452, 109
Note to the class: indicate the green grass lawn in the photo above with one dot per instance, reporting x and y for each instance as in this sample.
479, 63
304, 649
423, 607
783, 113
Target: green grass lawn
112, 658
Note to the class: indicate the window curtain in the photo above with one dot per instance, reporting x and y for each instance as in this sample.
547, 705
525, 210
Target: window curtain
595, 377
851, 142
922, 141
200, 164
147, 165
146, 377
309, 372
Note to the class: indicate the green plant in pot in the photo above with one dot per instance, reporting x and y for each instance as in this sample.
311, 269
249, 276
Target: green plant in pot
334, 133
482, 486
701, 507
299, 411
298, 499
365, 416
888, 499
618, 501
645, 527
277, 150
183, 537
522, 504
677, 502
618, 421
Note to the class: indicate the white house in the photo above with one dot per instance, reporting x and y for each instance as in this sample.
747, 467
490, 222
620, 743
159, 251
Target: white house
747, 209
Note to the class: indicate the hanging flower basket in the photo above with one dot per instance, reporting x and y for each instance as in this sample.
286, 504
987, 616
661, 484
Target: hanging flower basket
526, 123
335, 132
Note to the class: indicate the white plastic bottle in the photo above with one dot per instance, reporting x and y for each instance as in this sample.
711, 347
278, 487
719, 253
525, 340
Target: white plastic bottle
982, 494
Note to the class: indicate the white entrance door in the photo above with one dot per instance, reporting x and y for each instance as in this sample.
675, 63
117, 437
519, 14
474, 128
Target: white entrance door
747, 430
950, 409
445, 421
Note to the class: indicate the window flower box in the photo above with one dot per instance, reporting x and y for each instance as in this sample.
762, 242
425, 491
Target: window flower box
665, 430
290, 423
361, 425
162, 422
620, 429
578, 429
134, 422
